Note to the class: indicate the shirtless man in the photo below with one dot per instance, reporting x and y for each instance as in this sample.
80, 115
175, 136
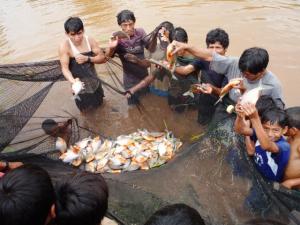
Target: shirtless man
292, 172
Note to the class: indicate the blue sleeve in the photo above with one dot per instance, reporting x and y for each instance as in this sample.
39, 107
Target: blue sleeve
198, 64
284, 150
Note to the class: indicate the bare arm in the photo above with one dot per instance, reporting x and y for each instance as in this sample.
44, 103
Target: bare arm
291, 183
112, 45
143, 83
64, 59
240, 125
99, 54
249, 146
262, 136
201, 53
184, 70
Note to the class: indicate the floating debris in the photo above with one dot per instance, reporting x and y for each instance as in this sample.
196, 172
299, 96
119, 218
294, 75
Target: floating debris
139, 150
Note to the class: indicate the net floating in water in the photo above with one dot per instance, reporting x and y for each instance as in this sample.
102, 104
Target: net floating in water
139, 150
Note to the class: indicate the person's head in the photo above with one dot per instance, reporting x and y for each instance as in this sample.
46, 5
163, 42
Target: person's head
53, 128
217, 40
81, 199
253, 63
74, 29
126, 21
180, 35
263, 103
176, 214
293, 115
26, 196
50, 127
274, 122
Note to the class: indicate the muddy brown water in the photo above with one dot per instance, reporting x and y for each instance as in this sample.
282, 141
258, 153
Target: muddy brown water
31, 30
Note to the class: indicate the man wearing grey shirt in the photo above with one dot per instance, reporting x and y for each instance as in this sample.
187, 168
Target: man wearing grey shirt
251, 66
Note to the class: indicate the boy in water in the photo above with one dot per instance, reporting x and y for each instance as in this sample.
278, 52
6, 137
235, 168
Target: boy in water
271, 152
292, 172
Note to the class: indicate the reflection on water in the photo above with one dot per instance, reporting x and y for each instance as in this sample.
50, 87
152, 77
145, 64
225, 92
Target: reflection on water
31, 30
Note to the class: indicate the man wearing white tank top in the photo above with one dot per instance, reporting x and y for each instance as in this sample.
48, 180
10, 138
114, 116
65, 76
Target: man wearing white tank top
78, 54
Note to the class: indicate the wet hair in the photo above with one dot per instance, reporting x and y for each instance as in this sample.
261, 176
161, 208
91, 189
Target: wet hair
254, 60
81, 199
73, 24
48, 126
26, 196
125, 15
217, 35
293, 115
180, 35
176, 214
263, 103
274, 115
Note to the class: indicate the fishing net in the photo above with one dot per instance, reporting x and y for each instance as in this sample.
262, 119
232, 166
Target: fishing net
214, 175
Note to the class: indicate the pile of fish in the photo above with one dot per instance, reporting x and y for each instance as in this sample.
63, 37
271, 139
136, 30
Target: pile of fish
138, 150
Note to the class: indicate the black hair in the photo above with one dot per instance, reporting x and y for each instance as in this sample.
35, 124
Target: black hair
48, 126
176, 214
274, 115
81, 199
125, 15
169, 27
73, 24
293, 114
263, 103
180, 35
217, 35
26, 196
254, 60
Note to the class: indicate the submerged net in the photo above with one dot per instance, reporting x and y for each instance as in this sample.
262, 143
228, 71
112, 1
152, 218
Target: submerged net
213, 175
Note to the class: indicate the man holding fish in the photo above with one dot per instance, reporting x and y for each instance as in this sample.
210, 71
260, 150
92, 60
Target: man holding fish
132, 73
78, 54
244, 73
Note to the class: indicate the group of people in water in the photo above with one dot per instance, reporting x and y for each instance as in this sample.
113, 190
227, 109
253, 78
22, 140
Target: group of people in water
82, 199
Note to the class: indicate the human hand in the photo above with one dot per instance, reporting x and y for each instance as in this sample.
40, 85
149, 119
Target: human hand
128, 93
250, 111
178, 46
113, 42
239, 110
202, 88
239, 85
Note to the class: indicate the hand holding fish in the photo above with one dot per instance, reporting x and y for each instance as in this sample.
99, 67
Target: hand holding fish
178, 46
113, 42
239, 110
250, 110
202, 88
80, 59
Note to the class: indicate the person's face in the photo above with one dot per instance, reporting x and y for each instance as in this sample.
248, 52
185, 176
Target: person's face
274, 131
217, 47
253, 77
76, 38
128, 27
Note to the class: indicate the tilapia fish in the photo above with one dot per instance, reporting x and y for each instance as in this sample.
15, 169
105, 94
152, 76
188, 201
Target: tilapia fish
170, 57
195, 88
77, 87
251, 96
225, 90
138, 150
